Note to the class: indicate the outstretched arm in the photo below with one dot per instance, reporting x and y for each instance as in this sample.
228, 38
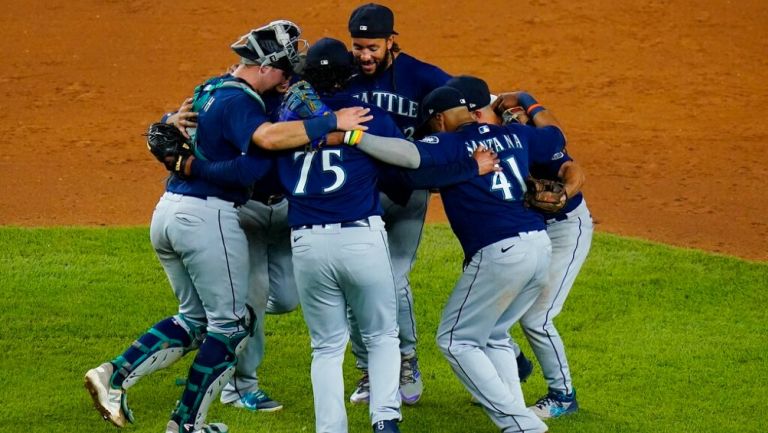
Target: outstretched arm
287, 135
394, 151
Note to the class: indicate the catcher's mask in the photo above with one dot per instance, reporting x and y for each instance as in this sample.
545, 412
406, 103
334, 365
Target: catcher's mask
277, 44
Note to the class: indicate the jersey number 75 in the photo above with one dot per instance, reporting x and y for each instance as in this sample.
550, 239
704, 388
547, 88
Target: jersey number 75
327, 166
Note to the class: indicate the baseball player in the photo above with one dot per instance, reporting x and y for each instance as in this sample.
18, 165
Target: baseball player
272, 289
570, 231
196, 234
396, 83
506, 257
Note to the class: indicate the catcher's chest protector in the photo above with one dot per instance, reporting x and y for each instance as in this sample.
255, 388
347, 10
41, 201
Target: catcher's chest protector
203, 97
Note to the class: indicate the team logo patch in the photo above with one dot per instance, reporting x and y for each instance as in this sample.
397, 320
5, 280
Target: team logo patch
364, 28
323, 62
431, 139
484, 129
557, 156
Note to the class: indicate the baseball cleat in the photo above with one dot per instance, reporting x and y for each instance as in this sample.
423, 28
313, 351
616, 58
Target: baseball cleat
216, 427
388, 426
411, 385
555, 404
110, 402
362, 393
524, 367
257, 401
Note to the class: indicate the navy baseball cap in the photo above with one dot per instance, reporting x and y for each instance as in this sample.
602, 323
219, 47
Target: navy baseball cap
372, 21
474, 89
328, 52
441, 99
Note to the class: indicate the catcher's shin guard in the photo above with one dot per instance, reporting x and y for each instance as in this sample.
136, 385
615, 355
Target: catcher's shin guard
214, 365
161, 346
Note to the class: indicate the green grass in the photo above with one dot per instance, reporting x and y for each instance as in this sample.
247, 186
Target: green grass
659, 339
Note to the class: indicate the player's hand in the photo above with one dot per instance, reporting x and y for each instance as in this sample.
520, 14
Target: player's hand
184, 118
487, 160
349, 119
505, 101
334, 138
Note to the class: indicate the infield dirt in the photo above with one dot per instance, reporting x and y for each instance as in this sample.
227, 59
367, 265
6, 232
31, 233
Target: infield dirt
662, 101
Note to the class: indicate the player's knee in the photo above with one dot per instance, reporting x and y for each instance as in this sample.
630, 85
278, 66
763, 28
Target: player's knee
331, 345
443, 340
282, 304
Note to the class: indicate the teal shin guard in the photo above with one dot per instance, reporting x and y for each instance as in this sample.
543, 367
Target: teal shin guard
161, 346
214, 365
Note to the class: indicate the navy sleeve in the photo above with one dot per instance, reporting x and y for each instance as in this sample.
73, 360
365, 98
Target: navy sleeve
440, 176
550, 169
240, 172
546, 144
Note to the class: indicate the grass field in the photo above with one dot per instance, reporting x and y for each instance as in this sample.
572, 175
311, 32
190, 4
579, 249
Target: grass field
659, 339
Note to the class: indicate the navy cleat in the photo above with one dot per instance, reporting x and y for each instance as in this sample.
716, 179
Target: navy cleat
524, 367
555, 404
388, 426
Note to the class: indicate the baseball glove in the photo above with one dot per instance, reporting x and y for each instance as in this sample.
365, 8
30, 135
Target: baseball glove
300, 102
545, 195
168, 146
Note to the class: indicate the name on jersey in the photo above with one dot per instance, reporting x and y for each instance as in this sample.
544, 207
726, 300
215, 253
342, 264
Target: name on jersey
391, 103
495, 143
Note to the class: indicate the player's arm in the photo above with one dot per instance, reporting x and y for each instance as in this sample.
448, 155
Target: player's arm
573, 177
483, 161
539, 115
287, 135
242, 171
393, 151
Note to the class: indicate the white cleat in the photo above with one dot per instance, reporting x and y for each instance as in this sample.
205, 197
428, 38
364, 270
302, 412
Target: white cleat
172, 427
110, 402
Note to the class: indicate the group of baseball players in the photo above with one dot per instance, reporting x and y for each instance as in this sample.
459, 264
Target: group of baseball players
277, 208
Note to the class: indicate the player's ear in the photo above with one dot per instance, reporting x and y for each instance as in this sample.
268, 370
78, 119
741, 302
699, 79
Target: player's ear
390, 41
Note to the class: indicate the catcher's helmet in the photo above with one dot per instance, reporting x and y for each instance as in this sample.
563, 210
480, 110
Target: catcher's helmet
276, 44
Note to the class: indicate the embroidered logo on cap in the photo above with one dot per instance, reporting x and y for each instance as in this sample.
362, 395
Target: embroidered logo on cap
364, 28
324, 62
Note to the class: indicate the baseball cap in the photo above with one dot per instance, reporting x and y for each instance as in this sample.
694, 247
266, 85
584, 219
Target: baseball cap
372, 21
474, 89
441, 99
328, 52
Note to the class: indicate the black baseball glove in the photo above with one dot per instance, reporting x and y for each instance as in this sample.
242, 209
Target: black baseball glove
168, 146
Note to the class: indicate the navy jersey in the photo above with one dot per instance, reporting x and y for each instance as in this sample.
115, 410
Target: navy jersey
225, 127
399, 89
336, 183
549, 170
487, 209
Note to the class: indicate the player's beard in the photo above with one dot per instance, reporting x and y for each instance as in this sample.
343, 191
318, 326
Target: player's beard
381, 65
